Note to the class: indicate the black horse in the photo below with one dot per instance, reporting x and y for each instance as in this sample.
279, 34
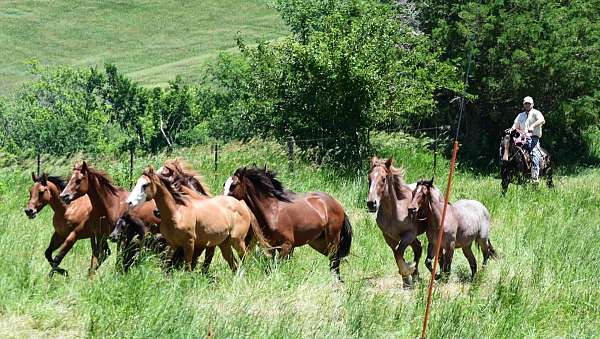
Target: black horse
516, 162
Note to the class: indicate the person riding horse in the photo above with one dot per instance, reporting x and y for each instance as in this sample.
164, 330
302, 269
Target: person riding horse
531, 121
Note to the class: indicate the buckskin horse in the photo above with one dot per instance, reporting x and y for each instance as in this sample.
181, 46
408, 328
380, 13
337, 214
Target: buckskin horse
193, 222
108, 204
466, 221
515, 162
288, 220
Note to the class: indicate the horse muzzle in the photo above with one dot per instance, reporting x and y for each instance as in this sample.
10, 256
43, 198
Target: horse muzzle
372, 206
30, 212
66, 198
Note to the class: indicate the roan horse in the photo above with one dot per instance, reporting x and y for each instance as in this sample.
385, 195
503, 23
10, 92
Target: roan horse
389, 196
466, 221
289, 220
192, 222
108, 204
516, 162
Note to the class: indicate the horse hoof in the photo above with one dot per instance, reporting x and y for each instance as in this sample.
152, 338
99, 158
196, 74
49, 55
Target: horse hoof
407, 269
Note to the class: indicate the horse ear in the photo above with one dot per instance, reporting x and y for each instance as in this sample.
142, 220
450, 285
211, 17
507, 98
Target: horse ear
374, 161
432, 177
265, 167
84, 167
150, 170
388, 162
34, 177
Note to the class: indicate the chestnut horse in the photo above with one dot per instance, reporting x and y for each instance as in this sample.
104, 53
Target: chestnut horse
466, 221
289, 220
108, 204
192, 222
71, 221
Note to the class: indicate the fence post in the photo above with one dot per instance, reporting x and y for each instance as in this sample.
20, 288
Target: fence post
131, 153
290, 145
216, 150
38, 162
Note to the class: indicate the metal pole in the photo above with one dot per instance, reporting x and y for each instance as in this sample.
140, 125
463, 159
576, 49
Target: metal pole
290, 145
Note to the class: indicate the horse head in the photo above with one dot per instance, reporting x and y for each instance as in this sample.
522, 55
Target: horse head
39, 195
421, 197
78, 184
145, 188
378, 176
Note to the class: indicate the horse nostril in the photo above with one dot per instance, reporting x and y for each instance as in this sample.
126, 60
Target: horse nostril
371, 204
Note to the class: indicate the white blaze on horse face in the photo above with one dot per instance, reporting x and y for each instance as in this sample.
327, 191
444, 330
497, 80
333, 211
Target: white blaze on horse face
160, 170
138, 194
227, 185
373, 196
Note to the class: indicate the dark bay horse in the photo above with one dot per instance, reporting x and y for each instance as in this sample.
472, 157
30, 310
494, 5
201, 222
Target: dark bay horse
289, 219
466, 221
389, 196
108, 204
192, 222
70, 222
516, 162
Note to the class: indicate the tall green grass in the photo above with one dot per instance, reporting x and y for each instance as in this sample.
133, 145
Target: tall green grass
151, 41
544, 285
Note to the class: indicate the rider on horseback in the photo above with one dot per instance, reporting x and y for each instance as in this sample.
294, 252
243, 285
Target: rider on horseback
531, 121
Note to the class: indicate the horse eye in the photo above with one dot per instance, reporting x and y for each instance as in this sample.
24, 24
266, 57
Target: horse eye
78, 181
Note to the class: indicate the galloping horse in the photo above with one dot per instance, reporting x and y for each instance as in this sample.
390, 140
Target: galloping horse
390, 196
289, 220
71, 221
466, 221
516, 162
193, 222
108, 204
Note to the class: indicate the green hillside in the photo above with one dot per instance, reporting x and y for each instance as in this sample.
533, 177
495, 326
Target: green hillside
151, 41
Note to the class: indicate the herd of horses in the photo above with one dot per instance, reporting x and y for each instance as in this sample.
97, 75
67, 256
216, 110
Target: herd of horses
171, 210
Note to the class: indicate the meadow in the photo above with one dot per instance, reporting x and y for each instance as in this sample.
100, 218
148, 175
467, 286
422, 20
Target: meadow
151, 41
544, 285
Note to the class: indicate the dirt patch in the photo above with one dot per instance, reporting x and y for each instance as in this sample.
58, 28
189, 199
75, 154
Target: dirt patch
14, 326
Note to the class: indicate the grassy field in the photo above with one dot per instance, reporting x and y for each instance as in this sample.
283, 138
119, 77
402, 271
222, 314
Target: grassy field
544, 285
151, 41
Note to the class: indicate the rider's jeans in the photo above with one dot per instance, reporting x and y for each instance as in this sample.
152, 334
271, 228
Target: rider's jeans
533, 146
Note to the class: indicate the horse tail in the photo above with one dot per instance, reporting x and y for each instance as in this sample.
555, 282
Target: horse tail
345, 238
492, 252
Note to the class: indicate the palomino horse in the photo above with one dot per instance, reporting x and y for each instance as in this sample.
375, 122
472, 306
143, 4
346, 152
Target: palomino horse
289, 220
69, 221
390, 196
108, 204
192, 222
516, 162
466, 221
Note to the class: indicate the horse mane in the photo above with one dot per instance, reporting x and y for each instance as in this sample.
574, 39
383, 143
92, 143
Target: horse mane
56, 180
103, 179
186, 173
398, 182
265, 182
177, 194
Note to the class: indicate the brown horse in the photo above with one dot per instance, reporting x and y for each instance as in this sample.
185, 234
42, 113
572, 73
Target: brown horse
390, 196
193, 222
108, 204
71, 221
289, 220
466, 221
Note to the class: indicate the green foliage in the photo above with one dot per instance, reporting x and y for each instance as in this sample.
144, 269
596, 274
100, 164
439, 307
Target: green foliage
354, 66
546, 49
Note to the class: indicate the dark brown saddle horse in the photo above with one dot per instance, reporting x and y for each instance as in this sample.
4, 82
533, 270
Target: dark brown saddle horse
516, 162
289, 219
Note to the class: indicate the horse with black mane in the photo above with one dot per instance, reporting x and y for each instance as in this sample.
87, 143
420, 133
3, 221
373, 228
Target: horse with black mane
288, 219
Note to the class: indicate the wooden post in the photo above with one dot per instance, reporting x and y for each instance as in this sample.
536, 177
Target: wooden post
38, 163
290, 145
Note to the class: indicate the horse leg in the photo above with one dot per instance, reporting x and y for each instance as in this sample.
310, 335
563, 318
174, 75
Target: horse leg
448, 255
430, 258
65, 248
320, 245
188, 254
208, 256
95, 255
549, 181
197, 253
418, 251
227, 253
398, 248
286, 250
55, 241
468, 252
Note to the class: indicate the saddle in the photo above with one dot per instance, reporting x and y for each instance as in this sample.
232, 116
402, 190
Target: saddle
522, 139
